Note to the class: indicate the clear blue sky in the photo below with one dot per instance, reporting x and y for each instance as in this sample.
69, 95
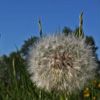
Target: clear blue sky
19, 19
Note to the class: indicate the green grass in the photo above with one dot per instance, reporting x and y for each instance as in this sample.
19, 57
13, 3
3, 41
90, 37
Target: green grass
20, 87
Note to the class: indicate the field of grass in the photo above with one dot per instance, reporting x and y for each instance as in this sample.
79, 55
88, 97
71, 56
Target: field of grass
18, 86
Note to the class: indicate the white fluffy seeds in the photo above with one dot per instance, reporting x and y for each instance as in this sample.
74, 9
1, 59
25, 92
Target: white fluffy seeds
61, 62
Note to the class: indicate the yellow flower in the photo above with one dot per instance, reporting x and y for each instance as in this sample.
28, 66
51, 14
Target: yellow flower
98, 85
94, 98
86, 89
86, 92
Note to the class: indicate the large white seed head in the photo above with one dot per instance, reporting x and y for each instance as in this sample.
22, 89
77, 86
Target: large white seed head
62, 63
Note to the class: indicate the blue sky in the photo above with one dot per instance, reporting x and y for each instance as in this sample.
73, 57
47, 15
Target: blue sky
19, 19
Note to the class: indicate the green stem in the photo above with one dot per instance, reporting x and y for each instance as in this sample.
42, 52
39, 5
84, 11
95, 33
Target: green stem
63, 97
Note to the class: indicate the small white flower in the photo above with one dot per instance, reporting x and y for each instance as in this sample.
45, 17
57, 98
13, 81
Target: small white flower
62, 63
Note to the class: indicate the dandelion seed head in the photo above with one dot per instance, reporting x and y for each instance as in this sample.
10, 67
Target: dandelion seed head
61, 63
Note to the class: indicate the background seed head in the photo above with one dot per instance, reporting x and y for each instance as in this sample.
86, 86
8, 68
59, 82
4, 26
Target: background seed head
61, 63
